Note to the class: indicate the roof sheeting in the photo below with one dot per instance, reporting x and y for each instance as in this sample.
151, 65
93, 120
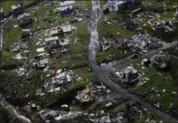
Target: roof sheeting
67, 3
51, 39
62, 8
67, 28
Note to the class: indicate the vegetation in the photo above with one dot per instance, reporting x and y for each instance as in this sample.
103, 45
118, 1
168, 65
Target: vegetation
83, 4
11, 34
5, 117
45, 17
160, 81
109, 30
6, 4
24, 88
156, 4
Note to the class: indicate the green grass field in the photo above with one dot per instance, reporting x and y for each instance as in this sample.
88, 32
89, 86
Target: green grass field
11, 34
45, 17
161, 81
80, 38
83, 4
113, 29
154, 3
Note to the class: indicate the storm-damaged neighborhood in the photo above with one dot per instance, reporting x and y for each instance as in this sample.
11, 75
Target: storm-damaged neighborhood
98, 61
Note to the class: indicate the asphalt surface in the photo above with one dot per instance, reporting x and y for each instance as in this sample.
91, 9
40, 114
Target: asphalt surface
102, 74
119, 64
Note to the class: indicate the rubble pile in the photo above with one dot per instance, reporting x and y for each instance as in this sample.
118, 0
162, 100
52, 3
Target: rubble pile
99, 90
160, 61
84, 96
114, 5
142, 42
104, 118
19, 49
149, 15
21, 71
40, 63
58, 82
112, 42
165, 26
26, 34
57, 116
129, 75
58, 38
106, 44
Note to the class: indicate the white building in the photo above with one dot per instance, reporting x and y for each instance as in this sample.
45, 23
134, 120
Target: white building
67, 28
15, 7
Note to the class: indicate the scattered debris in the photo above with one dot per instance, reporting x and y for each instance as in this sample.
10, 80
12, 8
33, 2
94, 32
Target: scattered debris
24, 19
160, 61
84, 96
129, 75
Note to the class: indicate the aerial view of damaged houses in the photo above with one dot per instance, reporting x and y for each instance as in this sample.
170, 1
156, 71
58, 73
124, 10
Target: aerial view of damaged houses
88, 61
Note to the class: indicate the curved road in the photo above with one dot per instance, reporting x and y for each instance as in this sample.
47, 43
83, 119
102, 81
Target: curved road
102, 74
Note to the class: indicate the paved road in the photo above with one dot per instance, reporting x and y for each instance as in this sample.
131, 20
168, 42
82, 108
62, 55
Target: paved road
102, 74
119, 64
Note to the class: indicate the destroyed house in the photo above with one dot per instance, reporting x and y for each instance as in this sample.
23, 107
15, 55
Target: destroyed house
64, 42
164, 26
16, 9
160, 61
26, 34
115, 5
24, 19
168, 29
55, 32
40, 63
66, 7
67, 28
52, 42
